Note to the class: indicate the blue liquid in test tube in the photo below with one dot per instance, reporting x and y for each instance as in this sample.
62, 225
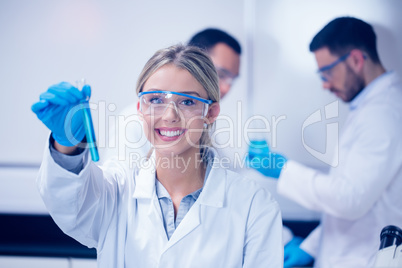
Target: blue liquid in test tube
88, 125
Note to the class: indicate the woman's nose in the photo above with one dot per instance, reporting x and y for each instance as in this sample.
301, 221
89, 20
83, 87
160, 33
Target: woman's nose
171, 113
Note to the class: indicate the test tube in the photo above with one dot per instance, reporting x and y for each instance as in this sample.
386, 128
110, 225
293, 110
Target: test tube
88, 125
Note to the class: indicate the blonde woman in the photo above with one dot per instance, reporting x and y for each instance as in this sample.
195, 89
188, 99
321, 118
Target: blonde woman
181, 209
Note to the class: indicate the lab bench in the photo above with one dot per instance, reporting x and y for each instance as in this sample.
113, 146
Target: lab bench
39, 236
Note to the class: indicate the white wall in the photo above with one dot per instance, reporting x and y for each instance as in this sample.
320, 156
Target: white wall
44, 42
107, 42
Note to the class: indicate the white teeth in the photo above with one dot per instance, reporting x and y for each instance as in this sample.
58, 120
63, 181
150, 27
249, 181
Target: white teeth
171, 133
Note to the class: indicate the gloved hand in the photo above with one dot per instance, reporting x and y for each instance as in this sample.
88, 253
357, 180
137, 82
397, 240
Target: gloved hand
294, 255
60, 109
260, 158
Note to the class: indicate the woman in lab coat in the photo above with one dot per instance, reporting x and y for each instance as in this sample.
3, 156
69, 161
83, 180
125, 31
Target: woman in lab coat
180, 209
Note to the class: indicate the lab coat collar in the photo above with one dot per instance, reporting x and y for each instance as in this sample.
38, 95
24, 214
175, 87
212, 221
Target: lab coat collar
145, 180
213, 193
374, 88
214, 189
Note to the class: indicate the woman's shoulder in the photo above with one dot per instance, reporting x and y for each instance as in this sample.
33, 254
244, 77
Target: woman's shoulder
242, 186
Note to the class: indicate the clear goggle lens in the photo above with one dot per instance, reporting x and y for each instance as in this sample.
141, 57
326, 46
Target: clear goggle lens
155, 103
325, 76
225, 76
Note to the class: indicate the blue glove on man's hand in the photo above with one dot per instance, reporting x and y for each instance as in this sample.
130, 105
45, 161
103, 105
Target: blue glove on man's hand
260, 158
60, 109
294, 255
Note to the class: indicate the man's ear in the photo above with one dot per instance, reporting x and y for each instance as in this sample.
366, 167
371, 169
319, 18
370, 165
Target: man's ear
139, 112
357, 59
213, 112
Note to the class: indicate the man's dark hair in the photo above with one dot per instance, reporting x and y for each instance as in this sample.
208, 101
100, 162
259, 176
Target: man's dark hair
343, 34
208, 38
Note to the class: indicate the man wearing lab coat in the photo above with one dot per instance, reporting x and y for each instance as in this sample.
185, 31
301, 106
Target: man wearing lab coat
362, 194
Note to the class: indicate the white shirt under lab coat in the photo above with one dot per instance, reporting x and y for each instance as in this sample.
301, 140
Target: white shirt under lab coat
233, 223
363, 193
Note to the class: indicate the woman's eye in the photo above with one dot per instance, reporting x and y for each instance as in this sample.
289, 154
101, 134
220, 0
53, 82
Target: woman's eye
187, 102
155, 101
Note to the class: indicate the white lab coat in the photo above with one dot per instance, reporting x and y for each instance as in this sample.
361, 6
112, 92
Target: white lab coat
363, 193
129, 146
234, 222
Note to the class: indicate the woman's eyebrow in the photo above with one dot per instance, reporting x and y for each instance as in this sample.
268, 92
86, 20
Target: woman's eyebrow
190, 93
182, 92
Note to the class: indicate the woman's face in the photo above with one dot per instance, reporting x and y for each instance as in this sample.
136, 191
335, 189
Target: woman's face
174, 130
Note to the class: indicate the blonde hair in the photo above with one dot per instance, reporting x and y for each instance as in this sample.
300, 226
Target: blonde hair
197, 62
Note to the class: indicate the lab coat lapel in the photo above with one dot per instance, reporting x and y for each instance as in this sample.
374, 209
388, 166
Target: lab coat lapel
187, 225
214, 191
155, 216
213, 195
145, 193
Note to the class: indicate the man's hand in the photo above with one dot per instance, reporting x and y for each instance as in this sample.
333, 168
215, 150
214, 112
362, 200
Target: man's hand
294, 255
268, 163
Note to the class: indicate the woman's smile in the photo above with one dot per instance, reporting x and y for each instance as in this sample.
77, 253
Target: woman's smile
170, 134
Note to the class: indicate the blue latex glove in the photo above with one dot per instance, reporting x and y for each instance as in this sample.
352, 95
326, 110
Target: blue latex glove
60, 109
294, 255
260, 158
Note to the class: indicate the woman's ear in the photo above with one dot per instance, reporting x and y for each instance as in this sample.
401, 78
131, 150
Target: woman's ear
139, 112
213, 112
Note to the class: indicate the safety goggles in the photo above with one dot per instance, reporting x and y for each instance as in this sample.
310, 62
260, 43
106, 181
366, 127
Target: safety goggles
325, 71
155, 103
225, 76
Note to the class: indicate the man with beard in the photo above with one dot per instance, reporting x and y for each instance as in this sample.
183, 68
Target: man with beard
362, 194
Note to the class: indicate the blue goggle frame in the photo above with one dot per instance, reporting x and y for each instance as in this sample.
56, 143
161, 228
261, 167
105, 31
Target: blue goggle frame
176, 93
